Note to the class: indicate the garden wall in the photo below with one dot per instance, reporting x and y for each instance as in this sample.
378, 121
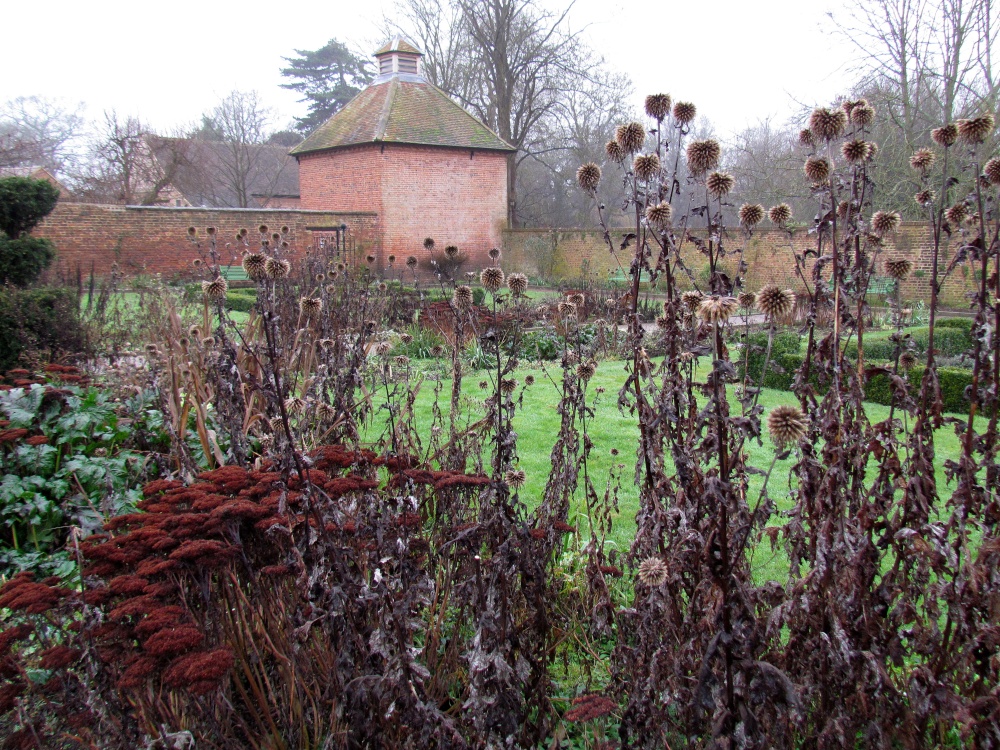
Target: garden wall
572, 253
154, 239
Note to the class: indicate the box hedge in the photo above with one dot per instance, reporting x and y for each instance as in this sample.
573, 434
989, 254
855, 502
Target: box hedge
44, 321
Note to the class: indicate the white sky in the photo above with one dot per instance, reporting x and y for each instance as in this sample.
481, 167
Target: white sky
738, 61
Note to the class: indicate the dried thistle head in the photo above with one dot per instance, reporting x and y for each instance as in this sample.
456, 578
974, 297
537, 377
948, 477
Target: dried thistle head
806, 137
491, 279
382, 348
786, 424
703, 156
585, 370
924, 197
614, 151
780, 214
843, 209
907, 360
863, 115
391, 259
646, 166
956, 213
369, 259
529, 380
588, 176
719, 183
653, 572
751, 214
922, 159
262, 229
515, 478
746, 300
898, 268
975, 130
437, 350
692, 299
826, 123
276, 268
215, 290
631, 136
946, 135
659, 215
255, 265
310, 307
192, 231
717, 309
411, 261
566, 308
494, 254
685, 112
576, 298
517, 283
508, 386
295, 405
884, 222
856, 151
194, 332
462, 297
992, 171
401, 361
817, 169
663, 322
451, 251
774, 301
658, 106
208, 342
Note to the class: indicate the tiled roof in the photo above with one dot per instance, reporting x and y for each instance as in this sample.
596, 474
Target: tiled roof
402, 109
397, 45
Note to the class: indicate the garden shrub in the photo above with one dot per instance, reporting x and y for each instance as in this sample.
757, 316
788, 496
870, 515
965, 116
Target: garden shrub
23, 203
953, 381
46, 321
241, 300
421, 342
785, 345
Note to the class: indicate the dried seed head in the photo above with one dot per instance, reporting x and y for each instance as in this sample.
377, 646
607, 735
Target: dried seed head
192, 231
614, 151
716, 309
277, 269
152, 349
663, 322
529, 380
369, 259
262, 229
692, 299
719, 183
508, 386
956, 213
658, 106
295, 405
843, 209
411, 261
405, 338
255, 265
907, 360
746, 300
341, 267
856, 150
630, 136
786, 424
382, 287
320, 278
494, 253
751, 214
946, 135
588, 176
703, 156
780, 214
827, 123
863, 115
884, 222
976, 130
208, 342
194, 332
922, 159
428, 243
898, 268
806, 137
391, 259
437, 350
817, 168
646, 166
659, 215
517, 283
774, 301
567, 308
310, 306
515, 478
451, 251
382, 348
992, 171
462, 297
576, 298
653, 572
401, 361
585, 370
215, 290
684, 112
491, 279
924, 197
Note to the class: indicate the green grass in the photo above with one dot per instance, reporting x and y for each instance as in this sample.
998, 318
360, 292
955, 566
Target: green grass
537, 423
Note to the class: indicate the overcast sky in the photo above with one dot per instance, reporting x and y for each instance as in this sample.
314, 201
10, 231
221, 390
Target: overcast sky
738, 61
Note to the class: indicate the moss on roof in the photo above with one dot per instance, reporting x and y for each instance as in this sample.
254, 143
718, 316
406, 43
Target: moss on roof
402, 111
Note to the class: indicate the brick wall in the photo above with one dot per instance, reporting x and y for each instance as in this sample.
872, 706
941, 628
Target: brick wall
154, 240
769, 255
456, 196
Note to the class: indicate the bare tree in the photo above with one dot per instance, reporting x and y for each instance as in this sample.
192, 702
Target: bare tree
36, 131
241, 124
768, 168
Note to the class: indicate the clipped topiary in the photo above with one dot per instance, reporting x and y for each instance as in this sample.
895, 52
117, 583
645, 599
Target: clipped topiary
23, 203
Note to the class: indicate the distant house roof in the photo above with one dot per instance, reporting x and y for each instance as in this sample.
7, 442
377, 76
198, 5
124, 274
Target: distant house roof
207, 172
401, 106
37, 173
